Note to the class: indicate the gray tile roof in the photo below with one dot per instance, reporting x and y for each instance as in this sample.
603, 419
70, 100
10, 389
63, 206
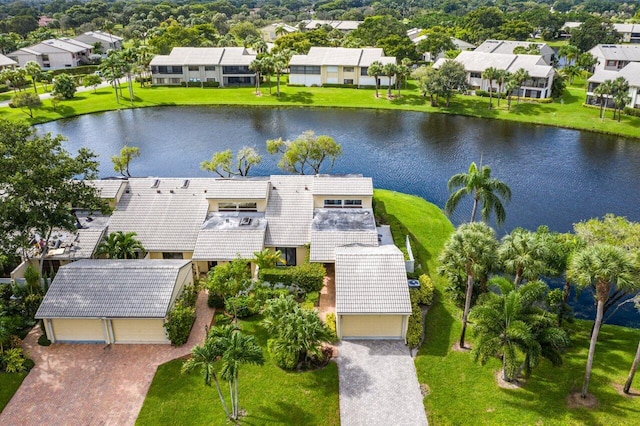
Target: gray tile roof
165, 218
66, 45
339, 25
617, 52
99, 288
507, 46
371, 280
85, 243
333, 228
627, 28
224, 237
342, 185
238, 189
474, 61
205, 56
103, 36
289, 211
631, 73
5, 62
108, 188
324, 243
345, 56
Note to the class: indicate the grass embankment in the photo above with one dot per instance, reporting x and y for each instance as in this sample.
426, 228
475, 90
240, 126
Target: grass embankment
9, 384
268, 394
461, 390
566, 112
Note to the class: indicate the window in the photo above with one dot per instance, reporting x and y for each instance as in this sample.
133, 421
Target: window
194, 68
234, 207
175, 81
194, 80
45, 58
347, 69
241, 69
332, 69
301, 69
209, 68
347, 81
475, 75
332, 204
159, 80
171, 255
175, 69
289, 256
611, 63
364, 71
354, 204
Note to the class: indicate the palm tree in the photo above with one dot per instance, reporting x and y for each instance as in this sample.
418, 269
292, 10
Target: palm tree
205, 357
604, 268
620, 88
490, 74
511, 86
280, 31
603, 91
521, 75
375, 70
112, 72
523, 254
120, 245
280, 63
127, 59
572, 71
257, 67
486, 190
569, 52
390, 70
33, 69
268, 68
471, 248
632, 372
502, 76
510, 321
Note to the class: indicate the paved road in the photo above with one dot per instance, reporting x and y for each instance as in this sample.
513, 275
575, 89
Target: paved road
378, 384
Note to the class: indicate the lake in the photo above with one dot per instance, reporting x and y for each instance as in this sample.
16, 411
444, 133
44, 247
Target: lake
557, 176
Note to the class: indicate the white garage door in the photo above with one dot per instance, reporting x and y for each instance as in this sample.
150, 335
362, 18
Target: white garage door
371, 326
78, 330
138, 331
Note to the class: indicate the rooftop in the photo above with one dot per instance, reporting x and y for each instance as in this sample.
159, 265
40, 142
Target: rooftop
342, 185
617, 52
205, 56
226, 236
289, 211
344, 56
246, 188
631, 73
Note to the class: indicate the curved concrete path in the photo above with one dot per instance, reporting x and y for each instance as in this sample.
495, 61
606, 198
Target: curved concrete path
378, 384
92, 384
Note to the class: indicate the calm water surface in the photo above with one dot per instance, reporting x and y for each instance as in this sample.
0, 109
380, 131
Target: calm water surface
557, 176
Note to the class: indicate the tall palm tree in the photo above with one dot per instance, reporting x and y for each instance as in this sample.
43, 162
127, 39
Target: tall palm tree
485, 190
33, 69
569, 52
604, 268
280, 64
490, 74
603, 91
502, 76
620, 88
510, 322
375, 70
257, 67
280, 31
521, 75
523, 254
111, 70
390, 70
510, 87
268, 67
120, 245
471, 248
632, 372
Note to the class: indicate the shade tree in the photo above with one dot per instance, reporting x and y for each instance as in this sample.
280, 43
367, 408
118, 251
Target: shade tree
308, 153
122, 161
222, 163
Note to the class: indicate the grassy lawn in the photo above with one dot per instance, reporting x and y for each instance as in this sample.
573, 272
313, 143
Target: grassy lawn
268, 394
9, 384
567, 112
461, 389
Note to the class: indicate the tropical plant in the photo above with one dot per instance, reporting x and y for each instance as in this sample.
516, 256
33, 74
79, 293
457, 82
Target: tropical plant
229, 280
268, 259
510, 323
221, 162
307, 151
34, 70
389, 69
111, 69
121, 162
280, 64
510, 87
92, 80
602, 268
375, 70
26, 100
485, 190
120, 245
620, 89
521, 75
257, 66
502, 76
523, 254
636, 359
472, 249
603, 91
64, 86
490, 74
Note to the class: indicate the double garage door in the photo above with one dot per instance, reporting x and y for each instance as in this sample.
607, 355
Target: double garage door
125, 330
372, 326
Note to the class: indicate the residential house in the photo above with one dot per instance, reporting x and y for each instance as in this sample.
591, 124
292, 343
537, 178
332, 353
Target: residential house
630, 32
343, 26
272, 31
631, 73
54, 53
196, 66
508, 47
461, 45
475, 63
6, 62
615, 56
337, 65
113, 301
565, 31
107, 41
44, 21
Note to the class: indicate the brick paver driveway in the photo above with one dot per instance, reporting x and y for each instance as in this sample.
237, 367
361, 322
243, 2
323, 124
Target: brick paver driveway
378, 384
92, 384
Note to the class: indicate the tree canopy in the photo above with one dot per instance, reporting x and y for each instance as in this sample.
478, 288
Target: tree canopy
308, 153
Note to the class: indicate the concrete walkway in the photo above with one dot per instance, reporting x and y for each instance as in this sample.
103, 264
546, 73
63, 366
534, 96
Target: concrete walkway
92, 384
378, 384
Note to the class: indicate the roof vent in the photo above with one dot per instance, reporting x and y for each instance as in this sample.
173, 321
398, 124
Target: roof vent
171, 191
157, 191
185, 184
156, 183
245, 221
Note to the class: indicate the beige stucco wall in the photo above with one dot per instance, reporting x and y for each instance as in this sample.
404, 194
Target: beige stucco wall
81, 329
158, 255
126, 330
371, 326
318, 200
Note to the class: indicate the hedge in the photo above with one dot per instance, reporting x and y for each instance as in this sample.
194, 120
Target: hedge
307, 276
179, 323
82, 69
414, 329
632, 111
424, 294
201, 84
3, 88
496, 95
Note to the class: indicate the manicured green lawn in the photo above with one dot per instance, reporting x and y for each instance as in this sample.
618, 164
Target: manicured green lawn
567, 112
9, 384
268, 394
461, 390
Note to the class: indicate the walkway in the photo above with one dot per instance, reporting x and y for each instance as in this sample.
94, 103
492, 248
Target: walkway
92, 384
378, 384
327, 302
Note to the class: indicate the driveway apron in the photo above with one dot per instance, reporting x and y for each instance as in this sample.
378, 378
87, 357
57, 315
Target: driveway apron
378, 384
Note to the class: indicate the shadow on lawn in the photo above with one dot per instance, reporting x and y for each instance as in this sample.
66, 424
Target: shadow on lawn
280, 412
298, 97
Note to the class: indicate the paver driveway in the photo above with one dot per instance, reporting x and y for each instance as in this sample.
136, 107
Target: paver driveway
92, 384
378, 384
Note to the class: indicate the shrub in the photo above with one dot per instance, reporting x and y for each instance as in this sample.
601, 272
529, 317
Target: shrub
263, 293
5, 292
3, 88
307, 305
277, 275
215, 300
346, 86
32, 277
190, 295
29, 364
330, 321
43, 340
309, 276
179, 323
240, 306
485, 94
425, 292
632, 111
13, 360
414, 329
287, 360
64, 86
31, 303
83, 69
313, 297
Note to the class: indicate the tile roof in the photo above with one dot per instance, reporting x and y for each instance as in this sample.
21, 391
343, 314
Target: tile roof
507, 46
480, 61
165, 218
289, 211
255, 188
103, 36
631, 73
333, 228
223, 237
96, 288
5, 62
205, 56
345, 56
617, 52
62, 44
371, 280
339, 25
627, 28
108, 188
324, 243
342, 185
85, 243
